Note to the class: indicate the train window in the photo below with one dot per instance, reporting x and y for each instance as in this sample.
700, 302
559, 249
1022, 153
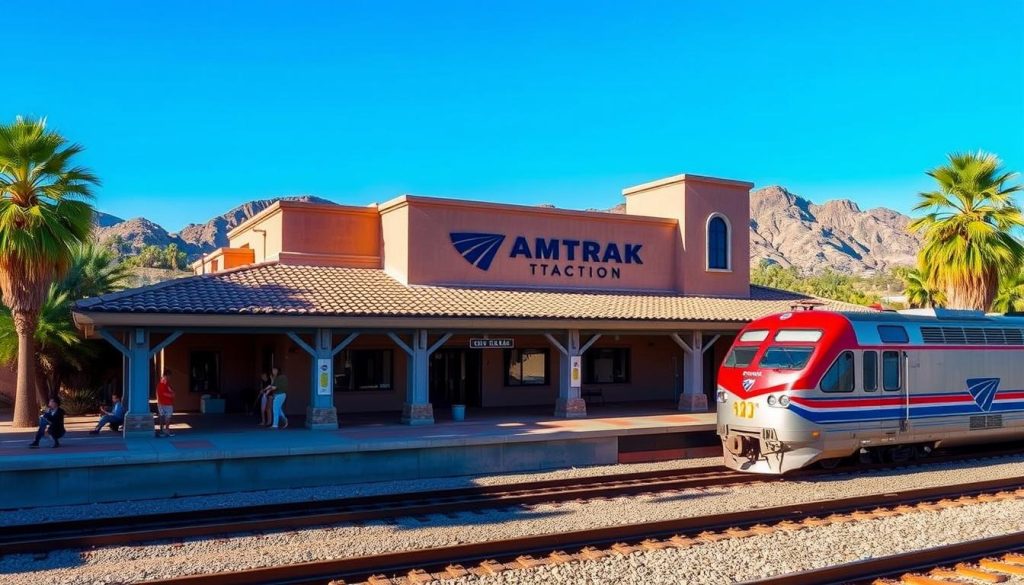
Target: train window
870, 371
754, 335
839, 378
740, 357
806, 335
781, 357
893, 334
891, 379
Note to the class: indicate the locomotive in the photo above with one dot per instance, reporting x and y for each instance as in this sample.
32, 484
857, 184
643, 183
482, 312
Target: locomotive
812, 386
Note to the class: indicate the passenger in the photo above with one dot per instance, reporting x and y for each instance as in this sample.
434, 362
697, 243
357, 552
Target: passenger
114, 417
50, 422
165, 404
279, 390
266, 402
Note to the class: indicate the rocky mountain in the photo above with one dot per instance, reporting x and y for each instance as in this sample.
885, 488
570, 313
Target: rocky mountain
132, 235
784, 228
792, 231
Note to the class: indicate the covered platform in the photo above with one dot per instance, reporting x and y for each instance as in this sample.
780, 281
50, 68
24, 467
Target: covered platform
229, 453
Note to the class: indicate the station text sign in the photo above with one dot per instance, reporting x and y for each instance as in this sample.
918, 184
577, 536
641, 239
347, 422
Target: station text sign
498, 343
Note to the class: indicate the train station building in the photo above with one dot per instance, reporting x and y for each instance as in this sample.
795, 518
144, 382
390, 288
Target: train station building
417, 305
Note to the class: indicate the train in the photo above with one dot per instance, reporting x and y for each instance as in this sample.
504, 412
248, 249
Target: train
816, 387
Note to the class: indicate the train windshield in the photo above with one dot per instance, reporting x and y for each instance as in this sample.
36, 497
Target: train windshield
740, 357
784, 357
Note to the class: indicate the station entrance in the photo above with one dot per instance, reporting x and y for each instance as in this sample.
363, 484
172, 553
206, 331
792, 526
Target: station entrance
455, 375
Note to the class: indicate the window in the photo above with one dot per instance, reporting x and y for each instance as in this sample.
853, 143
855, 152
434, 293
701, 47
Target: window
606, 366
526, 367
718, 243
870, 371
893, 334
891, 378
204, 372
754, 335
839, 378
806, 335
363, 369
740, 357
780, 357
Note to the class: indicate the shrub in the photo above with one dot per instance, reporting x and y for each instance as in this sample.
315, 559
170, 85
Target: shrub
79, 401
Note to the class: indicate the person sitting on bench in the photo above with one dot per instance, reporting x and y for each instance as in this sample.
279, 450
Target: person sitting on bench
114, 417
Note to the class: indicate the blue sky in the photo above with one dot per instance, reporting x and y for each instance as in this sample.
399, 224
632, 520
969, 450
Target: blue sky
190, 108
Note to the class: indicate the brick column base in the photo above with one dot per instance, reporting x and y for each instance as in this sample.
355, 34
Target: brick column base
693, 403
418, 414
571, 408
322, 419
139, 426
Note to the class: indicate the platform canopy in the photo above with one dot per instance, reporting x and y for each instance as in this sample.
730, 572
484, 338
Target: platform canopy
286, 295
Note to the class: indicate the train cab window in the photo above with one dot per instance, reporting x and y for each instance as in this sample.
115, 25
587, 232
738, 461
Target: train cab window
870, 371
741, 356
891, 378
754, 335
839, 378
804, 335
893, 334
785, 357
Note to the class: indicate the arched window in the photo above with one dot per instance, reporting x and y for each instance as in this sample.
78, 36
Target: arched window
718, 243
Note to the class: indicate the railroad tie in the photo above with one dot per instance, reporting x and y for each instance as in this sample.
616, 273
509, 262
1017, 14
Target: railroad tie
681, 541
1014, 558
1002, 567
592, 554
418, 576
923, 580
455, 571
527, 562
965, 570
379, 580
559, 556
491, 567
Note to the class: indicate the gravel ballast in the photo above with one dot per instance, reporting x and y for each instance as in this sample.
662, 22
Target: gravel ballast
160, 560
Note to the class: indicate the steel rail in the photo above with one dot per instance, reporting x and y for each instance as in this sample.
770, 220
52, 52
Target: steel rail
357, 569
49, 536
895, 565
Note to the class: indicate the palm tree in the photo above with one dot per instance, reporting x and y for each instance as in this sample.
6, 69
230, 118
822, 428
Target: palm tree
967, 228
1011, 294
94, 271
919, 291
44, 212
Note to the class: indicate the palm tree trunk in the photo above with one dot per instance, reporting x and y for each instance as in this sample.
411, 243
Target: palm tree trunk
43, 387
26, 409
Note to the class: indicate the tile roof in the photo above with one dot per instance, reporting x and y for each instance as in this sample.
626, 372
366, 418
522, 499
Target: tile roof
273, 289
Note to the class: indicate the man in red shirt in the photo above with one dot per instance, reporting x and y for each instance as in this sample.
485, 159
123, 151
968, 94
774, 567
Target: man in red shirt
165, 404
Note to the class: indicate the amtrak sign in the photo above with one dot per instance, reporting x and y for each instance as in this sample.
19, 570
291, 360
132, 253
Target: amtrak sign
549, 257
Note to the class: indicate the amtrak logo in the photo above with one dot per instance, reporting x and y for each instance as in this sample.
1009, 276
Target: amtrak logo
983, 390
478, 249
748, 384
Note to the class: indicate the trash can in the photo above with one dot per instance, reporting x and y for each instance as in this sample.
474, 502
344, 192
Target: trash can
458, 412
211, 405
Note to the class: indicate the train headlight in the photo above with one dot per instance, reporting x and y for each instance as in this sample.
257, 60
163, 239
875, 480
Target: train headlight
783, 401
772, 400
721, 396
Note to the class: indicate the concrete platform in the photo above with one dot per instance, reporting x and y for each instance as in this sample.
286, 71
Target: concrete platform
228, 453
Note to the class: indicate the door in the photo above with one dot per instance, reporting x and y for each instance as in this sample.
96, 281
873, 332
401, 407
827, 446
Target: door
455, 377
895, 389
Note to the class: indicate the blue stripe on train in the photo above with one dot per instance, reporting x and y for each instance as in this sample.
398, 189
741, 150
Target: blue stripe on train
896, 413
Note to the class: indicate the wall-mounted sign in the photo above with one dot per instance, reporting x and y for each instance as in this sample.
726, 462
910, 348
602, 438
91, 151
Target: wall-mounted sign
575, 371
498, 343
323, 377
552, 257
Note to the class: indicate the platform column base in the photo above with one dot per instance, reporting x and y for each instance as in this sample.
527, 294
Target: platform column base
139, 426
418, 414
322, 419
693, 403
571, 408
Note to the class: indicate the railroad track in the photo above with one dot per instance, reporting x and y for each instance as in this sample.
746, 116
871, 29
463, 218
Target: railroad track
133, 529
953, 564
489, 557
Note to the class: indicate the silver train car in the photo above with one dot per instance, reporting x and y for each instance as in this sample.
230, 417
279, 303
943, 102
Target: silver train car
815, 386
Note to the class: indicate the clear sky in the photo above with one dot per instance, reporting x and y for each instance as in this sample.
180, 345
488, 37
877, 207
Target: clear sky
189, 108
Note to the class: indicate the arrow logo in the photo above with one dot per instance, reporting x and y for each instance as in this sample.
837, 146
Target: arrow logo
983, 390
478, 249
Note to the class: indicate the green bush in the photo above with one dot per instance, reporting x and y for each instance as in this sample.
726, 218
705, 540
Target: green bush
80, 401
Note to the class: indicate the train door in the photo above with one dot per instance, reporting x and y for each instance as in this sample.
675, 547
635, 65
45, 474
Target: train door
895, 408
